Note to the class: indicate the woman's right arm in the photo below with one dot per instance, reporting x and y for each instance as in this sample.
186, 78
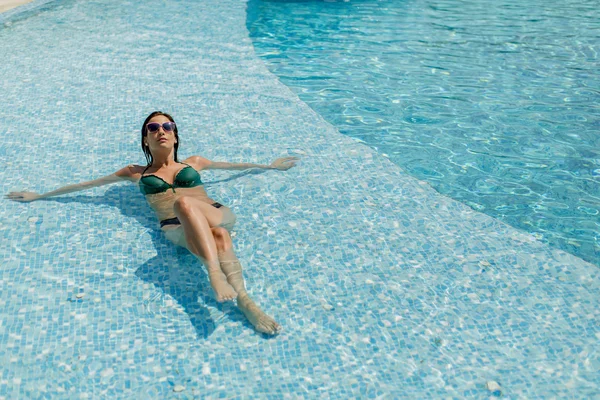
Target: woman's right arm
128, 173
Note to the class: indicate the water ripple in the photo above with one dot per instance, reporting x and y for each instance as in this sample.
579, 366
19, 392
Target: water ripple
494, 103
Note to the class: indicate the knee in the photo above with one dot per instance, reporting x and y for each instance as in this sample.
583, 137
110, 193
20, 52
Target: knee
221, 233
222, 238
183, 205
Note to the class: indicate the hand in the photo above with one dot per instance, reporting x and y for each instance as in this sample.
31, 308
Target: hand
284, 163
23, 197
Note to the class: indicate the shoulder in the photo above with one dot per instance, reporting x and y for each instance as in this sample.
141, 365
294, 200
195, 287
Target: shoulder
131, 172
199, 163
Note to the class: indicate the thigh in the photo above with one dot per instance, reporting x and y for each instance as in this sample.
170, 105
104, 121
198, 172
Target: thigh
228, 218
221, 216
176, 235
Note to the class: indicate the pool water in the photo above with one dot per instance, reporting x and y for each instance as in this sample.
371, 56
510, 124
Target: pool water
385, 288
495, 103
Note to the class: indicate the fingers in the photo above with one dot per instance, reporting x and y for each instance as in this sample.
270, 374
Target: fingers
290, 163
16, 196
285, 163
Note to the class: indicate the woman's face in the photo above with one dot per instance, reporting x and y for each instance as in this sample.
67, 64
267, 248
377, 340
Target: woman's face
161, 134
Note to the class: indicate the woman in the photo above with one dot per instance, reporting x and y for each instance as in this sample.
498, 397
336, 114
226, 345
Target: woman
187, 216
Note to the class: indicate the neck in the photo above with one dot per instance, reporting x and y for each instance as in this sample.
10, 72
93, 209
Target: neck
163, 160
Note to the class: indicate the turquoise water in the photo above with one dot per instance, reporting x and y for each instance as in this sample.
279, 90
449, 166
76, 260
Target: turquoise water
384, 287
495, 103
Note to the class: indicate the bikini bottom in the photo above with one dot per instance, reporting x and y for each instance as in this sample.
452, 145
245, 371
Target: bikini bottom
175, 221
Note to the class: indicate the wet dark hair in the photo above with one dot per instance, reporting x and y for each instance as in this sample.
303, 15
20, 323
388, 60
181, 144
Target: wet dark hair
146, 149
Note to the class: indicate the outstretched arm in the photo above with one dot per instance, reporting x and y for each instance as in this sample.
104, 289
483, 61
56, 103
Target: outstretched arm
125, 173
281, 164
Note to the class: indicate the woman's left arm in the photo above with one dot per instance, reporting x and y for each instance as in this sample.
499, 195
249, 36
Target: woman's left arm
281, 164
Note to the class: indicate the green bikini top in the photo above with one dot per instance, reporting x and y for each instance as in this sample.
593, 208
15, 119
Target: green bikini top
187, 177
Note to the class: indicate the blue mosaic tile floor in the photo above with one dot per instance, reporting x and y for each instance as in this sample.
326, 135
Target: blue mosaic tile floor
384, 287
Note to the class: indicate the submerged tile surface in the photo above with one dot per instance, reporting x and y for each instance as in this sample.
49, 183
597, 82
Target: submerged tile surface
383, 286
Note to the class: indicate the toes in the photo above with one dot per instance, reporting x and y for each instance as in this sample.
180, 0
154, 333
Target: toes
269, 327
222, 299
228, 295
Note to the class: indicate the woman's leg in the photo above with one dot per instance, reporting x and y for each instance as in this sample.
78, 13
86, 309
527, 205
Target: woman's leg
232, 268
196, 217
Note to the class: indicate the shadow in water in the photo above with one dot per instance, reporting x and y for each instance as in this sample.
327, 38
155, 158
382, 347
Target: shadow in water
181, 275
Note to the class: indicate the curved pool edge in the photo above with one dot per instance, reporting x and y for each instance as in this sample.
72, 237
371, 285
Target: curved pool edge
25, 10
349, 141
380, 282
293, 39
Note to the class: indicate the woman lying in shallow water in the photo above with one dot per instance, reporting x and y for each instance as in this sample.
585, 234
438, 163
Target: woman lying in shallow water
188, 217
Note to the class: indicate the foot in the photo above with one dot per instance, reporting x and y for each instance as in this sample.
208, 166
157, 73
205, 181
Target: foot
223, 290
261, 321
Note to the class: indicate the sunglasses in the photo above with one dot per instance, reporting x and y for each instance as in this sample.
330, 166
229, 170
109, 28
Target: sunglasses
155, 126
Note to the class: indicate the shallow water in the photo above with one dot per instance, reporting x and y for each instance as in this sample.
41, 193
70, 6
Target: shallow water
495, 103
384, 287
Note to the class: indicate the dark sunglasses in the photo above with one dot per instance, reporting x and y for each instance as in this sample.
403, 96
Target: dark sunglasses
155, 126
